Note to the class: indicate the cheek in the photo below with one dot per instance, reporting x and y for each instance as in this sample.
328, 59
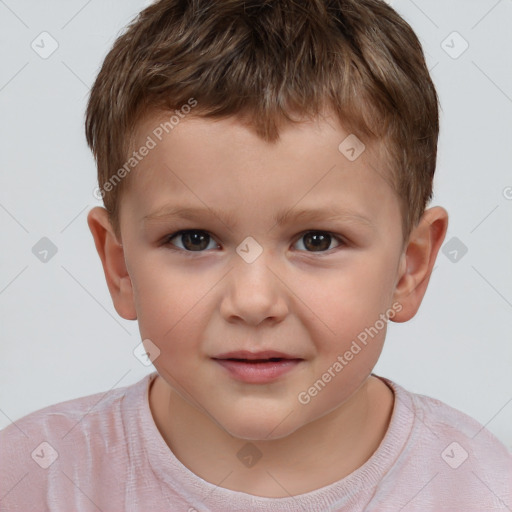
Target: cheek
169, 305
347, 354
349, 301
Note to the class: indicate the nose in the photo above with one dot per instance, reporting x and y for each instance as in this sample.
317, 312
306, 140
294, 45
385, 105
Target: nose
254, 294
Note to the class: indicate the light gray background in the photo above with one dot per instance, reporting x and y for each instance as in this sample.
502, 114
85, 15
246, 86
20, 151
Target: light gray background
61, 337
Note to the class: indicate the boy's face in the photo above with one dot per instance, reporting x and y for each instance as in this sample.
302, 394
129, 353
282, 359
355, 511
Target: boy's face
329, 232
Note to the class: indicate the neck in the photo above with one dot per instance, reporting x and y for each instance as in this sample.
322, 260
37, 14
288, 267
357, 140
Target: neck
317, 454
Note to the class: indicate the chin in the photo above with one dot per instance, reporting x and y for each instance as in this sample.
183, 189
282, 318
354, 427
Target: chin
255, 433
260, 428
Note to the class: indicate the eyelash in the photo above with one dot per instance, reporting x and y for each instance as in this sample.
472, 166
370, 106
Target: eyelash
168, 238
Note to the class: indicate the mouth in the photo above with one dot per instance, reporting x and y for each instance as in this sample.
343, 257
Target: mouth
265, 355
257, 367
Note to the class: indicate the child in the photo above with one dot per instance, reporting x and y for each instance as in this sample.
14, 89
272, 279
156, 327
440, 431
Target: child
265, 168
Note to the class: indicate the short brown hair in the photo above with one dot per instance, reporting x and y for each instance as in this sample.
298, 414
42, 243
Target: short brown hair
266, 61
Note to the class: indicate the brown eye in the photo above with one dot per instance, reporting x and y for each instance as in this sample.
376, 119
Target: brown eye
316, 241
192, 240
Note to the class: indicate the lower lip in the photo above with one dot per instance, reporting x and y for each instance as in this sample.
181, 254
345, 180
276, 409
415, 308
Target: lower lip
258, 373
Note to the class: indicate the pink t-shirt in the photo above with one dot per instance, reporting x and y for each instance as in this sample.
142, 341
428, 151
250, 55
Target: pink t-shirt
103, 452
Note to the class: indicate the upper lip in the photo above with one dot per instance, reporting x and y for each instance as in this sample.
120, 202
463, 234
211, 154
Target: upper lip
248, 355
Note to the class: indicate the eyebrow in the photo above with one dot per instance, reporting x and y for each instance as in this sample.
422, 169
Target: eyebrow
283, 216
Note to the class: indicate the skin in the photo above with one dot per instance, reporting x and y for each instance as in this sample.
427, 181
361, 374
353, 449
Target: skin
310, 304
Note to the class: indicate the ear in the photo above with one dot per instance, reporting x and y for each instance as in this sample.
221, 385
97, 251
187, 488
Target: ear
111, 253
418, 261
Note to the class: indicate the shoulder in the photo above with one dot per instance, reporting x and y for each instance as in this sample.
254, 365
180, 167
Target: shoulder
65, 439
449, 454
58, 421
446, 422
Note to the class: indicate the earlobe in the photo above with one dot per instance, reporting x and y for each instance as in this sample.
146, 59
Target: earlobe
418, 261
111, 254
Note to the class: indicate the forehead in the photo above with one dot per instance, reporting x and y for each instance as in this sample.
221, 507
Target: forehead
212, 163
